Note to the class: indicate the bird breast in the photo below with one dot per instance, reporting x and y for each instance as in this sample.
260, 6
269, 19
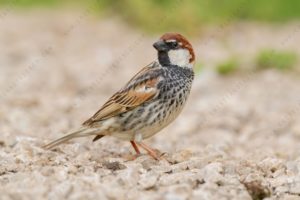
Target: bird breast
154, 115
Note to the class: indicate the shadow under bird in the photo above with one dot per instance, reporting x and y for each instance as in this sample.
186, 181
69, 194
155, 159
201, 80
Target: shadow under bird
150, 101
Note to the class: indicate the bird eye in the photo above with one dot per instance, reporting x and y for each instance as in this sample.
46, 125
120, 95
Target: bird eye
174, 45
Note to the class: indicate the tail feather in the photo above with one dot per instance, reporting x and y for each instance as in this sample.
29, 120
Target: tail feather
79, 133
97, 137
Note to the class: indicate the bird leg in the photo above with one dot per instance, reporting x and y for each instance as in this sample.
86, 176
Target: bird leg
149, 150
134, 145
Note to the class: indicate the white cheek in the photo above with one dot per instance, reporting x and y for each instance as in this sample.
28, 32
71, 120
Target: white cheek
180, 57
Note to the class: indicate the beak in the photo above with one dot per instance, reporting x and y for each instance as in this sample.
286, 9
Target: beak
160, 45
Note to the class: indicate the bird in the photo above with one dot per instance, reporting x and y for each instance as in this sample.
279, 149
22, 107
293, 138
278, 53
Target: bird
150, 101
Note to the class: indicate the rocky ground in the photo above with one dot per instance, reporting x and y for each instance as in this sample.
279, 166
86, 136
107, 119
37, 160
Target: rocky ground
238, 137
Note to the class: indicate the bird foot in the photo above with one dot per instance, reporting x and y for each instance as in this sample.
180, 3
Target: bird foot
131, 157
154, 153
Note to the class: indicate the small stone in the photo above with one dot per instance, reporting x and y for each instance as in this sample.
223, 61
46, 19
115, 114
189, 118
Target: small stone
213, 172
182, 156
292, 167
148, 181
289, 197
47, 171
257, 190
114, 165
295, 188
130, 176
281, 189
180, 177
148, 163
177, 192
72, 169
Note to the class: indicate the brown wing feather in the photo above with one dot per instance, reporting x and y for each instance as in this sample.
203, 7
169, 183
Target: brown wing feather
127, 98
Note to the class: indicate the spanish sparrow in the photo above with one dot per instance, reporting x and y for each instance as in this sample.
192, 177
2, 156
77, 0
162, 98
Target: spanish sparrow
150, 101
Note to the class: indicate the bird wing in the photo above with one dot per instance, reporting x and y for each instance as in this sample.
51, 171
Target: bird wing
141, 88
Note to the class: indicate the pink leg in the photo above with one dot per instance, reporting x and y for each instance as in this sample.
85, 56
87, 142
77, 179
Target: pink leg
149, 150
134, 145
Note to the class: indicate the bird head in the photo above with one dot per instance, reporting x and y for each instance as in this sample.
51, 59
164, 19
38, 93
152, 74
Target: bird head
174, 49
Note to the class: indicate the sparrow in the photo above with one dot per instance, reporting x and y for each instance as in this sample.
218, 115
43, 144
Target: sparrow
150, 101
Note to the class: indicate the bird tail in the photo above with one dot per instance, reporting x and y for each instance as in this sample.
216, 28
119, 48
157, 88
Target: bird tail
79, 133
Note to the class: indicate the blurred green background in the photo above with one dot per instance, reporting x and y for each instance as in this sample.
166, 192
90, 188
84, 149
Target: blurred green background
187, 15
190, 17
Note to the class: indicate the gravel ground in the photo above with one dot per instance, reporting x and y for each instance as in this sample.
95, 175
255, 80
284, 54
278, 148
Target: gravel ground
238, 137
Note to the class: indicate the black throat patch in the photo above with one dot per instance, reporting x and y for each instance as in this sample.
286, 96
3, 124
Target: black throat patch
163, 58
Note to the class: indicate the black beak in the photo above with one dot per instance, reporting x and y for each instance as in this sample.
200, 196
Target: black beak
160, 45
